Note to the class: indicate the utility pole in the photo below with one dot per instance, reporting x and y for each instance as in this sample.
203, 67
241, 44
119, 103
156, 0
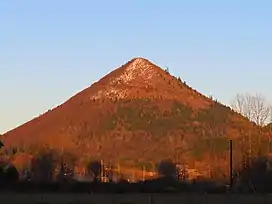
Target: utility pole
101, 171
133, 175
62, 169
230, 164
118, 170
144, 173
269, 138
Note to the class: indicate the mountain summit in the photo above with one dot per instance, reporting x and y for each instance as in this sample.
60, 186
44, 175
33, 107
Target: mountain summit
139, 78
138, 73
136, 115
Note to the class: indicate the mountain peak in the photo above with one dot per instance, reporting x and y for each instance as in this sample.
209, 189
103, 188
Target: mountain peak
141, 79
138, 69
136, 73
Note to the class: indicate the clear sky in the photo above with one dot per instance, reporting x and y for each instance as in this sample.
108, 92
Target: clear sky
52, 49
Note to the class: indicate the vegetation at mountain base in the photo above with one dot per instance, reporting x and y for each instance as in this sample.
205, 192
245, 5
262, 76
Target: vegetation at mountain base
253, 176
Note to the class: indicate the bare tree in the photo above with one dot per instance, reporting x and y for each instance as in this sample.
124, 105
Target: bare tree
254, 107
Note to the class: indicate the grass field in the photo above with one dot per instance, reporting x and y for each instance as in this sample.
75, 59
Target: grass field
133, 199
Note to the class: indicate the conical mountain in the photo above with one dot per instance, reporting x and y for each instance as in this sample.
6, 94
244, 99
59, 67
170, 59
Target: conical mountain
137, 115
139, 78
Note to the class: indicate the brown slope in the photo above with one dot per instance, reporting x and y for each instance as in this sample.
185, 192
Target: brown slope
136, 114
137, 79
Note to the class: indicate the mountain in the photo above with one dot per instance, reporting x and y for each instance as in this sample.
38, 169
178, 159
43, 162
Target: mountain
138, 115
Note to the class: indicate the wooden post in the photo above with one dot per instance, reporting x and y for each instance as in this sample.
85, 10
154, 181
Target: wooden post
144, 173
230, 164
118, 171
101, 171
133, 176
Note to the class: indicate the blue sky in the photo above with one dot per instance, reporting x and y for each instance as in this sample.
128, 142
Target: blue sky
50, 50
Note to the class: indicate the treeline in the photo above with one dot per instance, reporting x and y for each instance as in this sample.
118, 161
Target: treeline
51, 166
52, 172
42, 177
